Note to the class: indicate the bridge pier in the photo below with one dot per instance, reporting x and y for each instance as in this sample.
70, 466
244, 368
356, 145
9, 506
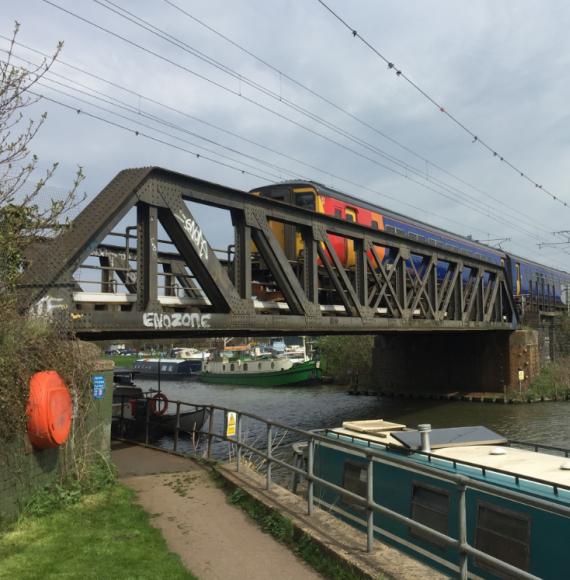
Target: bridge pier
448, 362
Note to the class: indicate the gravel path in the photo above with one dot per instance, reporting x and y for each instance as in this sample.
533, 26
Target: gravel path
215, 540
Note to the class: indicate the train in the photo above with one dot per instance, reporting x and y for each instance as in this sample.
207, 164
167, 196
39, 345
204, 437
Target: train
533, 284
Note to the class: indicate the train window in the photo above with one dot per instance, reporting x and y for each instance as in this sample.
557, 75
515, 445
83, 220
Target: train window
430, 506
504, 534
338, 212
400, 232
350, 214
305, 200
355, 479
390, 229
374, 225
421, 238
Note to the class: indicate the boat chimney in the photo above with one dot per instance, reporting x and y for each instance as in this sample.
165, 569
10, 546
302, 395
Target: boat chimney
425, 429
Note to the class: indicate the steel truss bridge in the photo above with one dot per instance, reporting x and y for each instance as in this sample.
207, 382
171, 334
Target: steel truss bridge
137, 263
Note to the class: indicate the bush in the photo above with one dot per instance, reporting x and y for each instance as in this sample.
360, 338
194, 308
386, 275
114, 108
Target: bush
346, 357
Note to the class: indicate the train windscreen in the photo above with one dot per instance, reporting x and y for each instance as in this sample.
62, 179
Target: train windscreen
306, 200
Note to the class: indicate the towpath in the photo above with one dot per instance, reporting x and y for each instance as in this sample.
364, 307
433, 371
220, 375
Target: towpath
214, 539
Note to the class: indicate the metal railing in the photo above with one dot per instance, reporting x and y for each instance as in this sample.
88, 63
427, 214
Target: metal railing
372, 456
484, 469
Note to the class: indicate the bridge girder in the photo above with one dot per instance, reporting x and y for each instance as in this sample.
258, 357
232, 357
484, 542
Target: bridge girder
395, 283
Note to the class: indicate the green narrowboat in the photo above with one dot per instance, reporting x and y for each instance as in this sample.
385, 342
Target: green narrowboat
507, 500
260, 372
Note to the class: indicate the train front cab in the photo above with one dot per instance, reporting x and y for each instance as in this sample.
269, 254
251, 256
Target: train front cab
308, 197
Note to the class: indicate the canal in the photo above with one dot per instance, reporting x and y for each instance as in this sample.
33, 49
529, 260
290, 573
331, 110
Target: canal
329, 405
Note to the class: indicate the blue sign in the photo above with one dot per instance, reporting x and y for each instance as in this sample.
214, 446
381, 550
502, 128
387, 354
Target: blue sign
98, 384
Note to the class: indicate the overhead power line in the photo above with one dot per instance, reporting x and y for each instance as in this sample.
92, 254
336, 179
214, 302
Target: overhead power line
470, 204
449, 193
346, 112
138, 111
476, 139
176, 127
137, 132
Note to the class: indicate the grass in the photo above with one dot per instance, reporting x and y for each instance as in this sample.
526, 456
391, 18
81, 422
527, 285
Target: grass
300, 543
103, 535
123, 361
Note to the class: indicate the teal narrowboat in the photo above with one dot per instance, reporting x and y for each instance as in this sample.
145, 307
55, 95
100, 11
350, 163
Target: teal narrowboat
516, 498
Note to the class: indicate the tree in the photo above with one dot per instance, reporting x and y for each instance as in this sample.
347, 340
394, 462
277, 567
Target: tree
27, 344
23, 219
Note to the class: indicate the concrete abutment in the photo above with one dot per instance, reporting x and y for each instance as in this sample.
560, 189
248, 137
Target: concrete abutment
455, 362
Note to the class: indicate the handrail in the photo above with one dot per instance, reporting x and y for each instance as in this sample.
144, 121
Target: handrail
555, 486
462, 483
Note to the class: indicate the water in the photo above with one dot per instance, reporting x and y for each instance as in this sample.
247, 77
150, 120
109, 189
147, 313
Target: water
329, 405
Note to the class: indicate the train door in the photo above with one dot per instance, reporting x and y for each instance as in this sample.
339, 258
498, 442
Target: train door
280, 230
305, 198
518, 279
350, 256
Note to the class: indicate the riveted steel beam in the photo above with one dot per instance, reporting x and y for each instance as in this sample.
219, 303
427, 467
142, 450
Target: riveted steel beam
390, 282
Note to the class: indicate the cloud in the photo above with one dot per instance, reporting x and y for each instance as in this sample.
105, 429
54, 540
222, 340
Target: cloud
500, 68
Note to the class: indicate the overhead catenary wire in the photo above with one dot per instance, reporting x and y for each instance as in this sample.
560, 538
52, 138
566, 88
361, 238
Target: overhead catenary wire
474, 136
402, 165
122, 116
181, 66
144, 135
329, 101
450, 195
136, 110
137, 132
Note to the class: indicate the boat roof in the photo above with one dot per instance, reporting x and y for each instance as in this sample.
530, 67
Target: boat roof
476, 452
162, 360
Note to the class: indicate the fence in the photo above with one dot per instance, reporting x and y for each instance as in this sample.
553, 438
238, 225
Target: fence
261, 442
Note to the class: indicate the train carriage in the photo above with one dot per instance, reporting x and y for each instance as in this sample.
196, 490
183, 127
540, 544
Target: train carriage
532, 284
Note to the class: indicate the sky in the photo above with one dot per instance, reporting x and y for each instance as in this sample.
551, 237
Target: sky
498, 67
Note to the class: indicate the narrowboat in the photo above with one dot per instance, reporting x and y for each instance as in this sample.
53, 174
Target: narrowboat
195, 357
170, 368
260, 371
507, 500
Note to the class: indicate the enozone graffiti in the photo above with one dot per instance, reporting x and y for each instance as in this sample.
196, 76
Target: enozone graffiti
195, 234
176, 320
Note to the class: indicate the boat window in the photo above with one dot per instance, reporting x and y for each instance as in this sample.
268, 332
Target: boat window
305, 200
504, 534
245, 366
272, 365
430, 506
355, 479
223, 367
232, 367
259, 365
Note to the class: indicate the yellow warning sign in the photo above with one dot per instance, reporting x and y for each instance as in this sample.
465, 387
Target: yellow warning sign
521, 375
231, 424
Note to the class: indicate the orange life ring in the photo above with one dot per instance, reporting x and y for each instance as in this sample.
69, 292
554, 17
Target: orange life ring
153, 404
49, 410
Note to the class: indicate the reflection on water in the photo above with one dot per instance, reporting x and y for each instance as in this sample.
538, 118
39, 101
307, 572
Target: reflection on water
329, 405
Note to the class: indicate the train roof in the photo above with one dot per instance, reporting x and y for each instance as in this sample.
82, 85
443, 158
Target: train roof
373, 207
